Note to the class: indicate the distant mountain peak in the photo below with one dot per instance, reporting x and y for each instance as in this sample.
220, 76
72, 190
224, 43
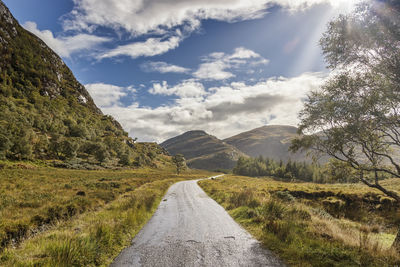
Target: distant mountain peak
195, 132
203, 151
271, 141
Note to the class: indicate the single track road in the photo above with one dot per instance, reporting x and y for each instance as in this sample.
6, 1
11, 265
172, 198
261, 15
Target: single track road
191, 229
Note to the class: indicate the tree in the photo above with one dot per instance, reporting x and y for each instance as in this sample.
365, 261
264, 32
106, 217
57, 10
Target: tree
179, 162
124, 159
22, 144
355, 116
69, 149
5, 145
100, 153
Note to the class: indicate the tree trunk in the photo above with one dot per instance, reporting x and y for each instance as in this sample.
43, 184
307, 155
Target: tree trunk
396, 243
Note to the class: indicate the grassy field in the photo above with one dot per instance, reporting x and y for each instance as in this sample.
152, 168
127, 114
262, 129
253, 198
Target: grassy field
59, 217
310, 224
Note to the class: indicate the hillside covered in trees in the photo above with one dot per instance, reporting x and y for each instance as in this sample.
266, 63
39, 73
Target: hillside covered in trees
46, 114
333, 171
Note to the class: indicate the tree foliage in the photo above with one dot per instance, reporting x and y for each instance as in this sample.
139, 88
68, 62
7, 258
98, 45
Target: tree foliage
357, 111
332, 172
355, 117
179, 162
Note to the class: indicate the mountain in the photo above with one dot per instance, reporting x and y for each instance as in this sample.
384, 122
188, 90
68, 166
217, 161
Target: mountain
272, 141
203, 151
46, 114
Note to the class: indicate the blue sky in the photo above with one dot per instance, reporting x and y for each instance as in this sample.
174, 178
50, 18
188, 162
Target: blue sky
163, 67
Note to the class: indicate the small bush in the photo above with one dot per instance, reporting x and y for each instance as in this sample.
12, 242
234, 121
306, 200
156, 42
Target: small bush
54, 213
272, 210
72, 252
149, 201
38, 220
243, 198
67, 186
106, 196
244, 213
284, 230
284, 196
321, 213
299, 214
71, 210
103, 235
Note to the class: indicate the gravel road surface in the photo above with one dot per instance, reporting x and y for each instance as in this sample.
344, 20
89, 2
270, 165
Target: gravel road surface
191, 229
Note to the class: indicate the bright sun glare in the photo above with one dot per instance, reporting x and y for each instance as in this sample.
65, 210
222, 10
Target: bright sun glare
344, 5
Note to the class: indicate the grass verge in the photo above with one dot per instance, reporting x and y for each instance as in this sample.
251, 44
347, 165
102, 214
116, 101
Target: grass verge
58, 217
313, 225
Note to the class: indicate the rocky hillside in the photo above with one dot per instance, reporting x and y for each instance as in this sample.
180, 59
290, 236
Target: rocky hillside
203, 151
272, 141
45, 113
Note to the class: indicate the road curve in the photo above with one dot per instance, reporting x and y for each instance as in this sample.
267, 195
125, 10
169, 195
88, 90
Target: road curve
191, 229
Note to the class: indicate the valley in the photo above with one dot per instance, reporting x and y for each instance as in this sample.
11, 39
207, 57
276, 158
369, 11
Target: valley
204, 151
80, 188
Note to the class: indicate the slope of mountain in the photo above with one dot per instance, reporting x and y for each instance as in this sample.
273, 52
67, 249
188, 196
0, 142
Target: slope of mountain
272, 141
203, 151
45, 113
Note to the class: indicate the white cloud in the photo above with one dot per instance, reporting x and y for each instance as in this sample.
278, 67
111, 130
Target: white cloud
215, 70
163, 67
342, 5
185, 89
150, 47
107, 95
161, 18
243, 53
141, 17
66, 46
216, 66
222, 111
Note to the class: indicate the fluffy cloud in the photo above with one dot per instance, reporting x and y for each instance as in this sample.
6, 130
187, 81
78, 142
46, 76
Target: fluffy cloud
215, 70
188, 88
243, 53
150, 47
216, 66
107, 95
222, 111
167, 20
142, 17
163, 67
155, 16
163, 18
66, 46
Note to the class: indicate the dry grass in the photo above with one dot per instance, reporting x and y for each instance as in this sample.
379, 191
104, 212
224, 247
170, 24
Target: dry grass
58, 217
311, 224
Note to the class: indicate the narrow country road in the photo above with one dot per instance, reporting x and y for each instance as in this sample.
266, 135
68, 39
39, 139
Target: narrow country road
191, 229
